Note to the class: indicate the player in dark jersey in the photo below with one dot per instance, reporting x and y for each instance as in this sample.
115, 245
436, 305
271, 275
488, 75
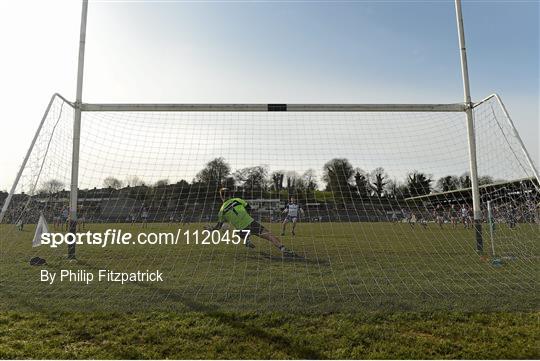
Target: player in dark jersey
235, 211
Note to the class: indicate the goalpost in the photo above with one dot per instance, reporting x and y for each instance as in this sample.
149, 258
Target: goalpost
77, 130
470, 131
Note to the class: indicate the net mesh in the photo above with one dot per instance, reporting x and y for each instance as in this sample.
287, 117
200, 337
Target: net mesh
386, 218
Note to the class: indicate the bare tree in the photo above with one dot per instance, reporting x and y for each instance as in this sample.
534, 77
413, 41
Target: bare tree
52, 186
252, 177
111, 182
293, 181
378, 181
309, 179
361, 181
277, 180
134, 181
391, 189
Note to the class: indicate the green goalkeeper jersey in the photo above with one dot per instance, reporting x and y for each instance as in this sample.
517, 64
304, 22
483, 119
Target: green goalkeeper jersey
234, 211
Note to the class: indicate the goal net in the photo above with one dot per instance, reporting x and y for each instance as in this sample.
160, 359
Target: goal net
385, 199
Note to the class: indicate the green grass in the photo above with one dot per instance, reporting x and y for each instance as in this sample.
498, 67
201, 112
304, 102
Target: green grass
365, 290
208, 335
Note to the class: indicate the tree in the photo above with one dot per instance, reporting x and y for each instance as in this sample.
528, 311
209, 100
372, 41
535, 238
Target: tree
134, 181
180, 189
162, 183
392, 189
52, 186
378, 181
337, 173
252, 177
465, 180
277, 180
111, 182
229, 183
402, 190
361, 182
293, 181
448, 183
214, 173
484, 180
309, 180
397, 190
418, 183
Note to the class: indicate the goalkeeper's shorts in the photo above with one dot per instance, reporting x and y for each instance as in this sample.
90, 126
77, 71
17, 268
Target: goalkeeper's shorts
255, 228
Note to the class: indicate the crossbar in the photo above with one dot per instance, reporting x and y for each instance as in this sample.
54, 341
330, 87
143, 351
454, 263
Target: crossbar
457, 107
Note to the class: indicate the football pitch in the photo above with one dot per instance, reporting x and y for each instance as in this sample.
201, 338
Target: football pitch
363, 290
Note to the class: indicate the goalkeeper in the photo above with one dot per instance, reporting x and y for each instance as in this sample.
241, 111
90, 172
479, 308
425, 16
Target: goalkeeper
235, 211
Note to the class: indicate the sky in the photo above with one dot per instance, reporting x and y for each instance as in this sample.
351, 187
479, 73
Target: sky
263, 52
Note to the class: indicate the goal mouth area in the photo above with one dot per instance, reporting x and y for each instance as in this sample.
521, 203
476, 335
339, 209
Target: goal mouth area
155, 164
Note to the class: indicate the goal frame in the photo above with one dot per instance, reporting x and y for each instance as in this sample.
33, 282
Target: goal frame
294, 107
466, 107
251, 107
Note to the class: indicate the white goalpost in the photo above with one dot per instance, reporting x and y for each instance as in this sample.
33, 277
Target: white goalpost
470, 131
77, 130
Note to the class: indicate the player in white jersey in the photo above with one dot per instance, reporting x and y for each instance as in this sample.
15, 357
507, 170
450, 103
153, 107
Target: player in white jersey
465, 216
144, 217
293, 210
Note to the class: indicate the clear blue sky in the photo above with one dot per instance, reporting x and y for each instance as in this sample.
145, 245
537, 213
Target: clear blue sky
361, 52
367, 47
